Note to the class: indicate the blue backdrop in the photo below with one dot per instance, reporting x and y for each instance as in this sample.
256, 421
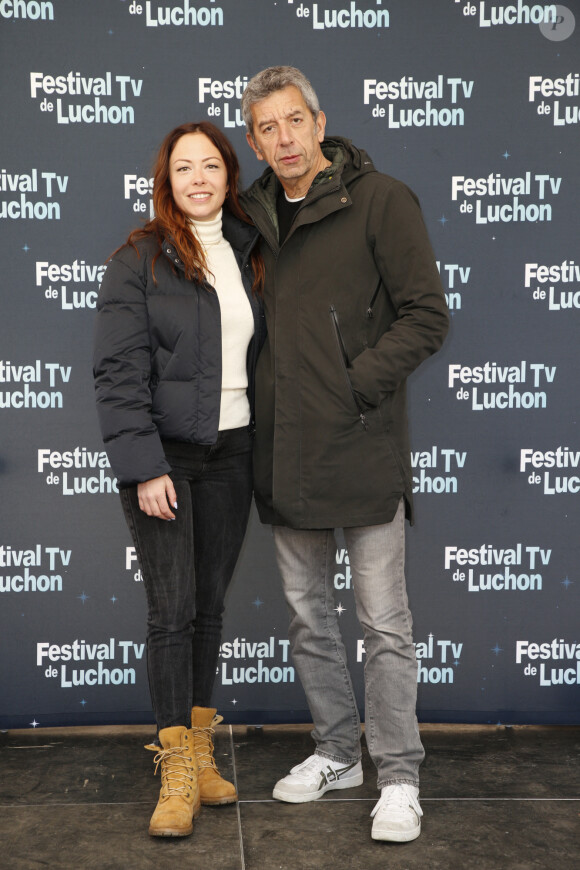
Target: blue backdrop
476, 106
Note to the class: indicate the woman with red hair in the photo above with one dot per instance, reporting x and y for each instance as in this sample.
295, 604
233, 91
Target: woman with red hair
179, 327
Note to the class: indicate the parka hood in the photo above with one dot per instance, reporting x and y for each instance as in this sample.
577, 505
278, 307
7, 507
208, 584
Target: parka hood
347, 164
347, 161
355, 161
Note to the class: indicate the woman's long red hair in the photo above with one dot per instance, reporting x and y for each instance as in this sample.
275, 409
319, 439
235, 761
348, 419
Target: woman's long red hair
171, 223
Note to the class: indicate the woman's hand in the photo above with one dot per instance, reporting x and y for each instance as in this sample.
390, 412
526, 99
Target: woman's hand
157, 497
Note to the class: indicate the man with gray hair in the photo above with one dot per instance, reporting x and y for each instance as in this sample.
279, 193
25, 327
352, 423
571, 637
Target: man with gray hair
353, 304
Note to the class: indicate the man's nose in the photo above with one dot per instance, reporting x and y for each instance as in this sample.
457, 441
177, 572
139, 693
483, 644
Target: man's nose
286, 137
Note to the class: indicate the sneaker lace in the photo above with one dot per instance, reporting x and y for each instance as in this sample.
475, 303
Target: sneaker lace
312, 765
176, 773
397, 799
203, 742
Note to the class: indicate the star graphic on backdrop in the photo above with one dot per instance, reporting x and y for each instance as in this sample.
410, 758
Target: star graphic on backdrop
25, 248
443, 220
506, 155
566, 582
497, 649
456, 663
340, 609
83, 702
113, 599
34, 723
258, 602
234, 702
83, 597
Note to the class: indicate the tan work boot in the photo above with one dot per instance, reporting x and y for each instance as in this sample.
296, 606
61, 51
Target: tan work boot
179, 800
213, 788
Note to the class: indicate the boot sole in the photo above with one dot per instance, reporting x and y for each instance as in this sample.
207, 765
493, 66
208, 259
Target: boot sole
219, 802
167, 832
294, 798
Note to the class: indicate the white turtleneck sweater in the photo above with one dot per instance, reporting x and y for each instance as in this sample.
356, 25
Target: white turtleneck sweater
237, 321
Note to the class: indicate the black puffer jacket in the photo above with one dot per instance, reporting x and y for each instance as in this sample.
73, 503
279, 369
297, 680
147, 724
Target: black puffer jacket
157, 354
353, 304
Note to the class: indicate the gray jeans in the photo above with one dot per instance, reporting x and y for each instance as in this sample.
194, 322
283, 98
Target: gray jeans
306, 559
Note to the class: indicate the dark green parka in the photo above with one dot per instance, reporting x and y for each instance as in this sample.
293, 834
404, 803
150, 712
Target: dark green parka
353, 304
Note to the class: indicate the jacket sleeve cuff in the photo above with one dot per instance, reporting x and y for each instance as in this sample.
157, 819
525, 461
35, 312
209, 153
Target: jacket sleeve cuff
136, 458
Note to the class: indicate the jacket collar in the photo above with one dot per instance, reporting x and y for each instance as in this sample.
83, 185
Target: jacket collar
241, 236
347, 162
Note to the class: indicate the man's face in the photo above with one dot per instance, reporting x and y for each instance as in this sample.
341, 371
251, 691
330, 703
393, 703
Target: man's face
288, 138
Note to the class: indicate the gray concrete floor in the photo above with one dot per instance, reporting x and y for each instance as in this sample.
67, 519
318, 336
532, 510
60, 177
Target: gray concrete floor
493, 798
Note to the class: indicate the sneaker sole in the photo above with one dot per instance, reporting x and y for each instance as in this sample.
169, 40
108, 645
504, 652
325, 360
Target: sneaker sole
397, 836
294, 798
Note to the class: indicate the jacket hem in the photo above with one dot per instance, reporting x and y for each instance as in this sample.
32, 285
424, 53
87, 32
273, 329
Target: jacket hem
269, 516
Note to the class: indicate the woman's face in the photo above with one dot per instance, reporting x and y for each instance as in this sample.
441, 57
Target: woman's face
198, 177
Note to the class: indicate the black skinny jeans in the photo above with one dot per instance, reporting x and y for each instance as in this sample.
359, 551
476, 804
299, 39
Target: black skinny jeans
187, 565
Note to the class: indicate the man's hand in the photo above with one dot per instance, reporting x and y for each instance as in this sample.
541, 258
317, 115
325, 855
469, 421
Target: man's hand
157, 497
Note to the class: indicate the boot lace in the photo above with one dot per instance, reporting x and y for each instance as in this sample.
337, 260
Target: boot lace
203, 742
176, 770
397, 799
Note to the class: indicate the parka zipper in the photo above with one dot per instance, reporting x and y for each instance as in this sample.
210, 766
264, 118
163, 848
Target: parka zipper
370, 312
346, 365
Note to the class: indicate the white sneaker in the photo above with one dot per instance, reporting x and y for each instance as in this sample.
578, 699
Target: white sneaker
397, 815
315, 776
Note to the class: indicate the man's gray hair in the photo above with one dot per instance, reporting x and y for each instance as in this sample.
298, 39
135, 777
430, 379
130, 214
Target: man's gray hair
274, 79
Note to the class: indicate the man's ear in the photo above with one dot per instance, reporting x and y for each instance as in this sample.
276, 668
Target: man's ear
320, 126
253, 146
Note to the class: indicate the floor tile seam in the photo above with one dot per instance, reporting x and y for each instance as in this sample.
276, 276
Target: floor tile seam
238, 815
423, 800
75, 805
241, 801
